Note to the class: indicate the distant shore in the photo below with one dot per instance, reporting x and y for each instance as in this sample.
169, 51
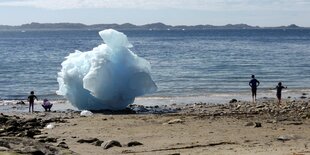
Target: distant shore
128, 26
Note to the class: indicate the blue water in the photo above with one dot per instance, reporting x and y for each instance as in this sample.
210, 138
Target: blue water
184, 63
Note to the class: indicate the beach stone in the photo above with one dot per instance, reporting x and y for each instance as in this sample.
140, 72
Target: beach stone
33, 132
36, 152
4, 143
98, 142
21, 103
294, 123
260, 106
233, 100
11, 128
3, 119
87, 140
258, 125
238, 107
63, 145
305, 116
271, 121
284, 138
134, 143
174, 121
51, 140
2, 130
12, 122
249, 124
31, 120
140, 109
288, 137
23, 145
110, 143
4, 148
39, 136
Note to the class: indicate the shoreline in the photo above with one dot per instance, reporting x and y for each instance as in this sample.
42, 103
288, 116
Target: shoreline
213, 99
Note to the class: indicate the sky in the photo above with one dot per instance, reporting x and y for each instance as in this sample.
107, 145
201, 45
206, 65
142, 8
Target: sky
171, 12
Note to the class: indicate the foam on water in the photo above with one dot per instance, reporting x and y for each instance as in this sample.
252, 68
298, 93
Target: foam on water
108, 77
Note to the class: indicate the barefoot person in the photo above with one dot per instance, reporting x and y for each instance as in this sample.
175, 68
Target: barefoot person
31, 98
279, 88
254, 83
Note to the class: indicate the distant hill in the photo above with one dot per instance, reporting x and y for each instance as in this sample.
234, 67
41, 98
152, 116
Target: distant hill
129, 26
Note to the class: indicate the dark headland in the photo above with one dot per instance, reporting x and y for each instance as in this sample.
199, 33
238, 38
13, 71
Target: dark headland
129, 26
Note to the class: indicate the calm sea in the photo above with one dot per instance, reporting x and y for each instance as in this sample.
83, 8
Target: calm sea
185, 64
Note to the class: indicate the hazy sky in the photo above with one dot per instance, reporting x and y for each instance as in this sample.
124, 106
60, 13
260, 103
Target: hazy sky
173, 12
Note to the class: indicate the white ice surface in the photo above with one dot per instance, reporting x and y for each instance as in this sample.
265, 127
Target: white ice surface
108, 77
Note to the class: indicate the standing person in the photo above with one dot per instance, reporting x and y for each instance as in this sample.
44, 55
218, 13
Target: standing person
279, 88
31, 98
254, 83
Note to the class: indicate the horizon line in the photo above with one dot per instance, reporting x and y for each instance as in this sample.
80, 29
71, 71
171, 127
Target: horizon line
149, 24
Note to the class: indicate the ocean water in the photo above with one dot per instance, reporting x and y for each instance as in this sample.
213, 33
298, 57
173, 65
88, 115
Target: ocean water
187, 66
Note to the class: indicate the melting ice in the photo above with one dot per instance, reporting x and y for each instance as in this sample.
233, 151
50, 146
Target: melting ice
108, 77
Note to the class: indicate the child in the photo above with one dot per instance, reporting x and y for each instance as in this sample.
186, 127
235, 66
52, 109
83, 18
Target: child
31, 98
47, 105
279, 88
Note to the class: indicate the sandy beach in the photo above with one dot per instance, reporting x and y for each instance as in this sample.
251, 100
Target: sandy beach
237, 128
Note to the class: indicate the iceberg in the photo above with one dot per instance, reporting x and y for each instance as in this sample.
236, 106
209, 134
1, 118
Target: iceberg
109, 76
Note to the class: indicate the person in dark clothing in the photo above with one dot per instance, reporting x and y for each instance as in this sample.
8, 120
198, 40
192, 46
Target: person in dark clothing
279, 88
254, 83
31, 98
